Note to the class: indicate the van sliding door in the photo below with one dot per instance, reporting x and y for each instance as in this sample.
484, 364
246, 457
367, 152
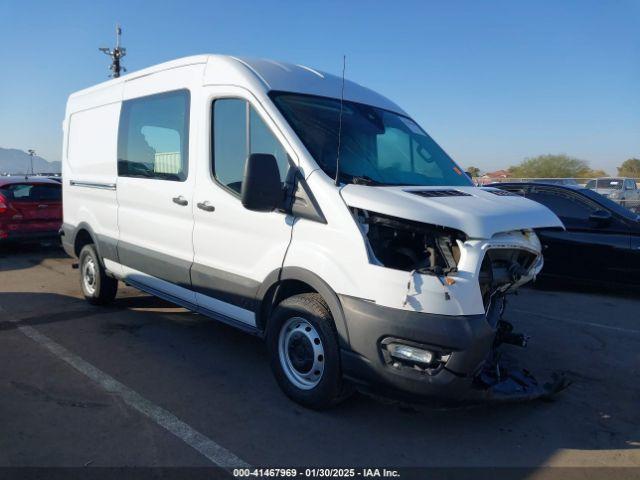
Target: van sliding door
155, 187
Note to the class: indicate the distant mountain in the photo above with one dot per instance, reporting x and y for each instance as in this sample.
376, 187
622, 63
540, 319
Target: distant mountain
16, 161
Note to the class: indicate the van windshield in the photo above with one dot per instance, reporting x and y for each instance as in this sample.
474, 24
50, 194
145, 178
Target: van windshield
377, 147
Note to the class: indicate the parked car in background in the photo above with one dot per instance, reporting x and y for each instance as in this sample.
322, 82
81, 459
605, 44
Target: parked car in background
556, 181
601, 242
30, 208
621, 190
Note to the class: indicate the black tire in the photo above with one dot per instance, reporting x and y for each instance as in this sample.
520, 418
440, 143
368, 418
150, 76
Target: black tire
315, 315
97, 287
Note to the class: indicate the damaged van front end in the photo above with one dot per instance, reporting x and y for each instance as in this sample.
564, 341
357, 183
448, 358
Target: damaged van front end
444, 261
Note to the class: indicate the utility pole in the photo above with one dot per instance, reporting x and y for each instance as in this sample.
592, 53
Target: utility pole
31, 153
116, 54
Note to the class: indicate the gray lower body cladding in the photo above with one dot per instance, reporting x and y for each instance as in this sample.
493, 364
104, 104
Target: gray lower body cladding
467, 340
471, 369
224, 286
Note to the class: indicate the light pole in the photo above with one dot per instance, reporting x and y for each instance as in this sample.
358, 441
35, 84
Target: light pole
116, 54
31, 154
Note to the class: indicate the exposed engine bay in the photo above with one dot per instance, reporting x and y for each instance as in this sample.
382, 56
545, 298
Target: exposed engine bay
407, 245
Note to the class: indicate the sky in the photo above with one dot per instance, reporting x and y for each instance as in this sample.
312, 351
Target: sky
493, 82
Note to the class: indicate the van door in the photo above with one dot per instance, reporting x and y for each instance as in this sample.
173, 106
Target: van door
154, 191
234, 248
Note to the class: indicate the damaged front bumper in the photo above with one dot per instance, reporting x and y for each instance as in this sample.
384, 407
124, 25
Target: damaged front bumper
466, 361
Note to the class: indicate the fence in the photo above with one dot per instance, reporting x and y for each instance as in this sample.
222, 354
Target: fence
167, 162
557, 181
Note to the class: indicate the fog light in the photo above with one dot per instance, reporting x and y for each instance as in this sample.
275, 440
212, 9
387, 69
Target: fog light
411, 354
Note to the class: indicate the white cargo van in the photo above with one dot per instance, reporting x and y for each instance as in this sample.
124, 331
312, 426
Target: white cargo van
253, 192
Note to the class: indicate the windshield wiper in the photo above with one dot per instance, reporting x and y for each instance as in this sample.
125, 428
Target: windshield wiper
365, 180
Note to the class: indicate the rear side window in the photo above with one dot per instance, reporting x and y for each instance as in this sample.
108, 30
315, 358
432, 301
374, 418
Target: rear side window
239, 131
565, 205
29, 192
153, 137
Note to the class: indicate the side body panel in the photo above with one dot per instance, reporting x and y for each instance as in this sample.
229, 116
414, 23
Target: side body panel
89, 169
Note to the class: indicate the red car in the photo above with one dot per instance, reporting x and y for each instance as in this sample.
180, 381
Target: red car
30, 208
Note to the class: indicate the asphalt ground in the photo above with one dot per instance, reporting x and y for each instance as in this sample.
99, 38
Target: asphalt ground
143, 383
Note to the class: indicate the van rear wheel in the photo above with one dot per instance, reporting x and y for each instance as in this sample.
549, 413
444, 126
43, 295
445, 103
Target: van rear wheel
97, 287
304, 353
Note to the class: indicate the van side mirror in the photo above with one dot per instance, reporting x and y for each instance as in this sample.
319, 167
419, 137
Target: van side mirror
261, 187
600, 217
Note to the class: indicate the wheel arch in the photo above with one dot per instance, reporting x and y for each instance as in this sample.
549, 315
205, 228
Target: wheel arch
289, 281
82, 235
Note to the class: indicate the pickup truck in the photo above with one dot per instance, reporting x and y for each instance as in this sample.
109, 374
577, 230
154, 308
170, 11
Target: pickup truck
621, 190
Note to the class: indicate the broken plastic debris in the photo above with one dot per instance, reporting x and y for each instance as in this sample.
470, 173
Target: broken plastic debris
503, 380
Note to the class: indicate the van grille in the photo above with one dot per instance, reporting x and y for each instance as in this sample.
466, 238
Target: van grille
439, 193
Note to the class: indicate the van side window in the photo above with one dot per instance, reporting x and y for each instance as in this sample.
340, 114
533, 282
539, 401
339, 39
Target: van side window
261, 140
153, 137
238, 131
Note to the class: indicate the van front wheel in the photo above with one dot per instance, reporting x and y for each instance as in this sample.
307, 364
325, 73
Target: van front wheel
303, 351
97, 287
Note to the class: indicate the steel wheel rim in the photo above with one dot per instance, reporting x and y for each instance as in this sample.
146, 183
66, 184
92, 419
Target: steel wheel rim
301, 353
89, 276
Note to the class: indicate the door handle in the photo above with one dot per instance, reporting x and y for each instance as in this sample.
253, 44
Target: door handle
206, 206
180, 200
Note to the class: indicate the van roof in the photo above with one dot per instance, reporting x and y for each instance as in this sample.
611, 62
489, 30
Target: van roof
259, 73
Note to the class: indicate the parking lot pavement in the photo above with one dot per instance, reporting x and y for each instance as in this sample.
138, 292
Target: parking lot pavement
215, 381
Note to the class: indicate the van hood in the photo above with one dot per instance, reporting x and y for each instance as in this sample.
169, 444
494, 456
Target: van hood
478, 212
